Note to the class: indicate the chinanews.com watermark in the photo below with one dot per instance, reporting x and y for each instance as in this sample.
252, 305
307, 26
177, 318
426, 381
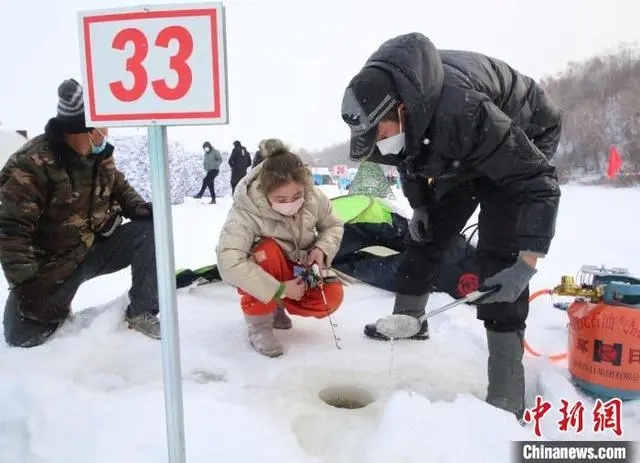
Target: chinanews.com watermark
603, 418
564, 451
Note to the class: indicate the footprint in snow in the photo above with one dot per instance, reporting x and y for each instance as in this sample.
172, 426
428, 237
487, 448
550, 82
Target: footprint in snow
205, 376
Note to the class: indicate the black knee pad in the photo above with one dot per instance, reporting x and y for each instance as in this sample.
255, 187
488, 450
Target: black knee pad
505, 316
503, 326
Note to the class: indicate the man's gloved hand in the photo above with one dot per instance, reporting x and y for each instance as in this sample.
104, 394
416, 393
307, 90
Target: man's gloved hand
143, 211
510, 282
419, 225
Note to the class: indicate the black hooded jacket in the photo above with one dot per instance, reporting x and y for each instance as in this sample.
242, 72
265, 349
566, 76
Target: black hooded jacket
471, 116
239, 161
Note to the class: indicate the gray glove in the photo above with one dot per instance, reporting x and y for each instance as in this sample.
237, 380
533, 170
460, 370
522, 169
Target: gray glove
510, 282
419, 225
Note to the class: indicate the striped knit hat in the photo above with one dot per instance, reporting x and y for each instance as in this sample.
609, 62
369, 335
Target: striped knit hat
71, 107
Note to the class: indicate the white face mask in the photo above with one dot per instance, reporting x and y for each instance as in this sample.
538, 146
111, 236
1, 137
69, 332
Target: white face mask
288, 209
393, 144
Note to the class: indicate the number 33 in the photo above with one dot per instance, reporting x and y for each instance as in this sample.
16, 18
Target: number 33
135, 64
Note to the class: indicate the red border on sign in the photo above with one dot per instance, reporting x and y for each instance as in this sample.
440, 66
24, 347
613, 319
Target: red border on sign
217, 107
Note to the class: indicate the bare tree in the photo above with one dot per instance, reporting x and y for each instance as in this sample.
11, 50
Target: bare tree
600, 98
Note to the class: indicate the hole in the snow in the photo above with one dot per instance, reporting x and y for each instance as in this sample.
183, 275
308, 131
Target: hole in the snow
346, 397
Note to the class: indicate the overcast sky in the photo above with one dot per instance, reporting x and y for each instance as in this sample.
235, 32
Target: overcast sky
289, 61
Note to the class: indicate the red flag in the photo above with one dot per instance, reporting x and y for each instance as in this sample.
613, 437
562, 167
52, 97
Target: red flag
615, 162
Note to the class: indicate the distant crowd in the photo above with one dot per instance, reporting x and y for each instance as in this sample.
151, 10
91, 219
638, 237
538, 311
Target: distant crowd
239, 161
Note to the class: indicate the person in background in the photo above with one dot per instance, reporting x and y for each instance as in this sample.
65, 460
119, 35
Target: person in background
279, 225
464, 130
239, 161
258, 157
212, 161
62, 203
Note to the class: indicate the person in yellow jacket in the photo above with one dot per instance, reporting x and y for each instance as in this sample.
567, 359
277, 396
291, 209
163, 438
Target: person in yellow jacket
280, 225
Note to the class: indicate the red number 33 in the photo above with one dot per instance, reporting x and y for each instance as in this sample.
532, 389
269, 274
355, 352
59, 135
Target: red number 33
135, 64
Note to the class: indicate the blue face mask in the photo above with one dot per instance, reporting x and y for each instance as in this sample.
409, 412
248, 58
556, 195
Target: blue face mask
97, 149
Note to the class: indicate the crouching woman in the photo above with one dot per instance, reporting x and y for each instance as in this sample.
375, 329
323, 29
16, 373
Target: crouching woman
279, 224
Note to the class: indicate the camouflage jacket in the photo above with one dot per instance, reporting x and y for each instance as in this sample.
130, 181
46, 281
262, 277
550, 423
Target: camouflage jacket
52, 204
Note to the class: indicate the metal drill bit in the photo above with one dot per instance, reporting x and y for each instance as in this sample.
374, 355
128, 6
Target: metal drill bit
315, 268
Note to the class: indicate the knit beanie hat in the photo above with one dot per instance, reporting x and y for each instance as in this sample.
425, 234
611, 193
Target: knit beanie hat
70, 114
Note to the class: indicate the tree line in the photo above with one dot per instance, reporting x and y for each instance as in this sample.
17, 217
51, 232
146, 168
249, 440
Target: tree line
600, 99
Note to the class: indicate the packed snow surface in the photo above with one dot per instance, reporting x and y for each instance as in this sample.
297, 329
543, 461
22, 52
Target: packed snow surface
95, 393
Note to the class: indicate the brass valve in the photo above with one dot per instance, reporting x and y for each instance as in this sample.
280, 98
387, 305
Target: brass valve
568, 287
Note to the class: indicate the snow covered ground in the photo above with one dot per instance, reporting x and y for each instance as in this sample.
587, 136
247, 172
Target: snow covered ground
95, 395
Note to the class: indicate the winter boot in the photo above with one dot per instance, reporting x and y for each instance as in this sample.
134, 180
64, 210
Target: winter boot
506, 371
213, 201
405, 305
261, 335
281, 320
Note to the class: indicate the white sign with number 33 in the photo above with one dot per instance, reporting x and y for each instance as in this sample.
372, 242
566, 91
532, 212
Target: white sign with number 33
162, 64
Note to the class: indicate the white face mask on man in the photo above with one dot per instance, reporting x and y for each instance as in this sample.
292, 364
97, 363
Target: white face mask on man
393, 144
288, 209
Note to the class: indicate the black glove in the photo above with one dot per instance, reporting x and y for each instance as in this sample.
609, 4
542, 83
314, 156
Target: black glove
419, 225
510, 282
142, 211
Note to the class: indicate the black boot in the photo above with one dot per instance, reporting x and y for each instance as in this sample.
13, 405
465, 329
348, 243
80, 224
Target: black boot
406, 305
506, 371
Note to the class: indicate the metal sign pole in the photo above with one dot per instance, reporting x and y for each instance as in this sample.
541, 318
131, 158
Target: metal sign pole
163, 230
198, 97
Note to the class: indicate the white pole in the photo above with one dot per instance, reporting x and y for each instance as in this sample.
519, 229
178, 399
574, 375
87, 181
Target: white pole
170, 343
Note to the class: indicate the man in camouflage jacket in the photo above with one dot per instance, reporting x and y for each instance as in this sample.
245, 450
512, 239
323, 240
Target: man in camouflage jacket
62, 201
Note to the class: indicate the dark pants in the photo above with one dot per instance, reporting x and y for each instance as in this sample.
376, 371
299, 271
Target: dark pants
131, 245
209, 181
456, 265
235, 179
375, 270
496, 249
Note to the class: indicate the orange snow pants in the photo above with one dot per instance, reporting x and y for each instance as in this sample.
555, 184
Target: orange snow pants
268, 255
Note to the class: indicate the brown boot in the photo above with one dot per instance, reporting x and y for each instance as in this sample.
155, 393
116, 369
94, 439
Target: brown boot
281, 320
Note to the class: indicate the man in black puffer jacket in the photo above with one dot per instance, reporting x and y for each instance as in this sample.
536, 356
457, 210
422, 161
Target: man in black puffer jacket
463, 130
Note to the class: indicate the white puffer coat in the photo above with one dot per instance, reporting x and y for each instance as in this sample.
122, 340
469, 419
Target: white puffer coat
251, 218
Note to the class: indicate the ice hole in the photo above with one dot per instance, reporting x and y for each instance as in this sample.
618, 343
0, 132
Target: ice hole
346, 397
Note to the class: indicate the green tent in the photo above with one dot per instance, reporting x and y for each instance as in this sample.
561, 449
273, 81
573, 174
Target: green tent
355, 208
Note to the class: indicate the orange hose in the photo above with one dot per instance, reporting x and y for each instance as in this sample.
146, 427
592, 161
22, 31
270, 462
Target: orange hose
555, 357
